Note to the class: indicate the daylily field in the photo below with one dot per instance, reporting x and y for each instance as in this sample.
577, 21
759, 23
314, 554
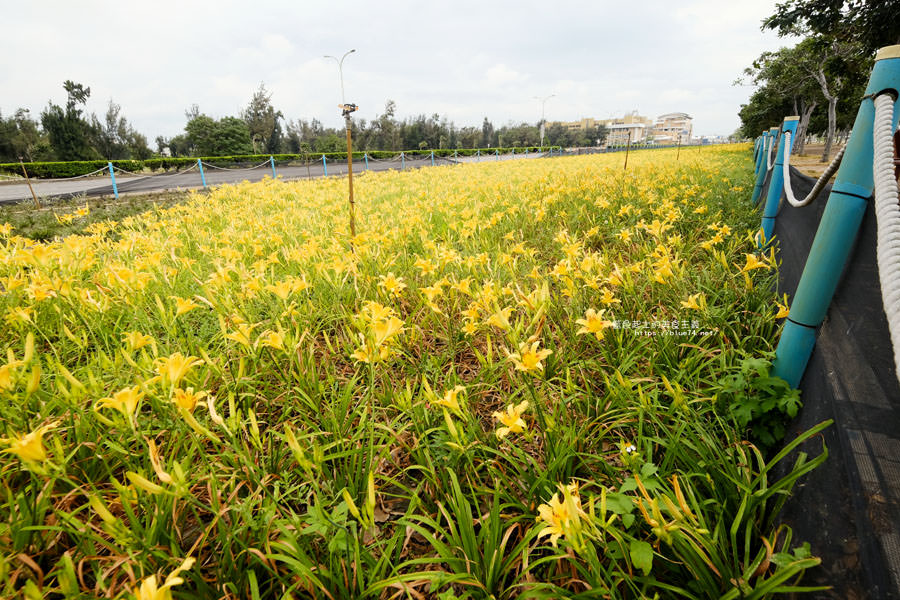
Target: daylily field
524, 379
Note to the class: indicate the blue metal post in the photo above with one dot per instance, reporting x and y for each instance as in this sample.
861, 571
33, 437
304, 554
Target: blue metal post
272, 163
324, 165
366, 156
836, 235
202, 174
497, 152
112, 175
478, 153
761, 146
432, 158
756, 146
402, 161
776, 182
761, 175
455, 154
526, 150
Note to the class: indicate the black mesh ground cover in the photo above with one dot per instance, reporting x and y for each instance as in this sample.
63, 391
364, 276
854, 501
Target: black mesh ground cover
848, 509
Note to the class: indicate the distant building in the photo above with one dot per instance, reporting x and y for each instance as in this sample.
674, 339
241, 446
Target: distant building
667, 130
673, 128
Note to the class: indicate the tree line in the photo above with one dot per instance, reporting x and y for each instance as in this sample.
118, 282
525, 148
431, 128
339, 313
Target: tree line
822, 78
64, 133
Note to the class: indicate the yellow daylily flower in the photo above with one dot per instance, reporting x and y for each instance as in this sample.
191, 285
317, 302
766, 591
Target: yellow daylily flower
125, 401
272, 339
29, 447
392, 284
174, 367
695, 301
512, 419
183, 305
560, 517
387, 329
187, 398
449, 400
148, 590
242, 335
593, 323
753, 263
529, 358
136, 340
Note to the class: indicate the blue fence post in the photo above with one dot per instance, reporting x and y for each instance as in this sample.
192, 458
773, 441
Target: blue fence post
324, 165
838, 228
761, 176
402, 161
112, 176
478, 153
202, 174
760, 145
497, 152
272, 163
366, 156
432, 158
776, 183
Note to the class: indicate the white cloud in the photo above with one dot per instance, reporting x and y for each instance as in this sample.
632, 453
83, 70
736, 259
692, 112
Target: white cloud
468, 60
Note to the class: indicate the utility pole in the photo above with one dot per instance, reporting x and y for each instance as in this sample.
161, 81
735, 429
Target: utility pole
346, 110
543, 106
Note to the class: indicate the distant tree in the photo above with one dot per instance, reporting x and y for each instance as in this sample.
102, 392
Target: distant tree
469, 137
227, 136
69, 132
180, 145
21, 136
115, 138
487, 133
232, 137
764, 109
263, 121
201, 133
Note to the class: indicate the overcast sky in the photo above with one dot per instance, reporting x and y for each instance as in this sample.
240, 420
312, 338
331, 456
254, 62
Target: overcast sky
462, 59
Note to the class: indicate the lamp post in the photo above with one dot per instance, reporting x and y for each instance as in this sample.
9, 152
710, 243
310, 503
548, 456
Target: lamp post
346, 111
543, 106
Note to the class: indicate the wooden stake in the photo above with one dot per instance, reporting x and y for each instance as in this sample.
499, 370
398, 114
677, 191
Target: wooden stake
28, 181
350, 179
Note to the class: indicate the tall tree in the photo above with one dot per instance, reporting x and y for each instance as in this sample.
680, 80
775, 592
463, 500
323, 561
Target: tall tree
263, 121
843, 33
487, 133
68, 130
790, 73
114, 137
868, 24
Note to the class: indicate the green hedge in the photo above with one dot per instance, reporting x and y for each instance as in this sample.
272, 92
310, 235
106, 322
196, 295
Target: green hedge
52, 170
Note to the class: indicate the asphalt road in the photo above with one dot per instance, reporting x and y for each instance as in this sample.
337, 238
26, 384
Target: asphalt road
17, 190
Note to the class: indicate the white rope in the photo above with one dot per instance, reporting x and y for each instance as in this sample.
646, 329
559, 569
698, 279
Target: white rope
822, 181
769, 162
37, 180
887, 212
205, 164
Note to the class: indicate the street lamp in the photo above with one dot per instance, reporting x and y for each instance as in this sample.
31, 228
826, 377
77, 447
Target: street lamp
543, 106
341, 69
346, 111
